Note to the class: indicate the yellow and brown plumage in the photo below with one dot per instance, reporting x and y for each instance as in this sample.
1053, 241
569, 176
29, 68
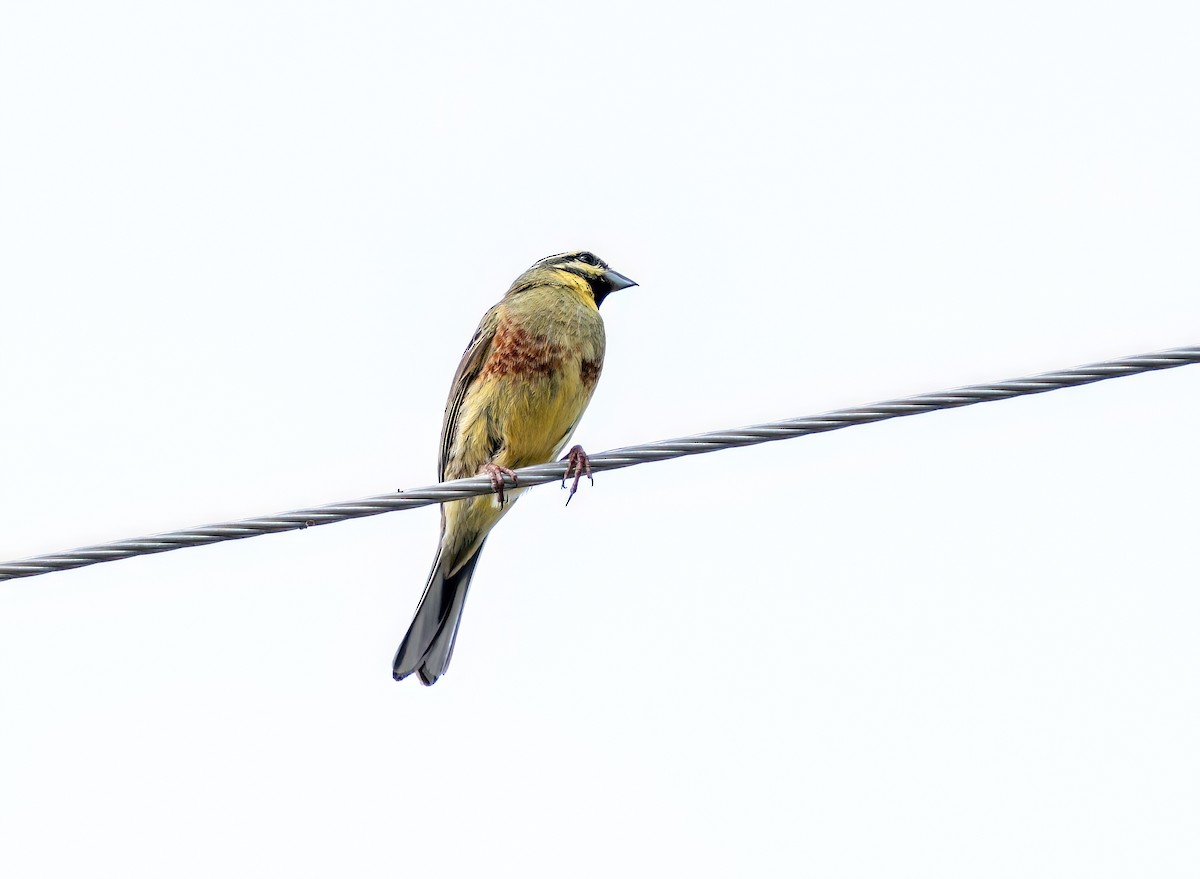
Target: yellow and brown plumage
517, 397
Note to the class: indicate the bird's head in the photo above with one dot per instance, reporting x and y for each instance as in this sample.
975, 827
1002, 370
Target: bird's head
570, 268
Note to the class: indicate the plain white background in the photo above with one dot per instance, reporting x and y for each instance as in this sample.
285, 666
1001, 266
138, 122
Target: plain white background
244, 245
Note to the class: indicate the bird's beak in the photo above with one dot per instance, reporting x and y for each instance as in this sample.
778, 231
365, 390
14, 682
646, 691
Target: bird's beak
616, 281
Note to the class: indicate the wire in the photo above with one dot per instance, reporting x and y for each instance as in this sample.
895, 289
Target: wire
612, 460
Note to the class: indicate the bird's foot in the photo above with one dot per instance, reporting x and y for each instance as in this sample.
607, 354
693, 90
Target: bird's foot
497, 473
578, 465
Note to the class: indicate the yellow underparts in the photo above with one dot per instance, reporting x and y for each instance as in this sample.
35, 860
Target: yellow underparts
530, 394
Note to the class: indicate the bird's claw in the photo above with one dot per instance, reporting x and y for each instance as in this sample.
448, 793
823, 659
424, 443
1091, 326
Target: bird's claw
579, 465
496, 473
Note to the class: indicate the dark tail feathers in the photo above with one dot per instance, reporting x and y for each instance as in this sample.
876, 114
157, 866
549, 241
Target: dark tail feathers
429, 643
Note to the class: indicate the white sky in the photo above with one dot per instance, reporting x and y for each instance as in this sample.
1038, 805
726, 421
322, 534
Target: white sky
244, 245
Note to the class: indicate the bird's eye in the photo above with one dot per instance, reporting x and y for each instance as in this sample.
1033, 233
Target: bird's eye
589, 258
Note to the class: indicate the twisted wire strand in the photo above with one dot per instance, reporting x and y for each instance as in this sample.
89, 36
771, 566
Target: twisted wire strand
611, 460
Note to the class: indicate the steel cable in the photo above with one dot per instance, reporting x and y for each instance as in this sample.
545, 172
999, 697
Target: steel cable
611, 460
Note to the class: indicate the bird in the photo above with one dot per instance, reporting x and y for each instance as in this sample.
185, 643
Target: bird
520, 391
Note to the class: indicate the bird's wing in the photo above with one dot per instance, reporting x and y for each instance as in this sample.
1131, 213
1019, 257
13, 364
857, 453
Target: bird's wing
469, 368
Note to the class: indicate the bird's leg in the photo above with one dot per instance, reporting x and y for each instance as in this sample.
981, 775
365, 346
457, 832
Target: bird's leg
497, 473
578, 464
